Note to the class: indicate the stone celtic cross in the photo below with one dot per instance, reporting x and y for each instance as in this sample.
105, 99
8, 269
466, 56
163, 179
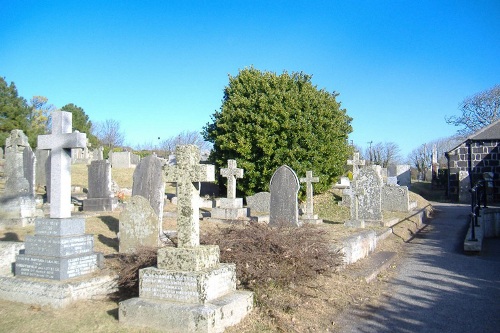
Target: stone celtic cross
231, 173
187, 173
356, 163
309, 180
60, 143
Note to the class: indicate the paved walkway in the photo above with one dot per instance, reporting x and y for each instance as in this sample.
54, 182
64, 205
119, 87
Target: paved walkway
437, 287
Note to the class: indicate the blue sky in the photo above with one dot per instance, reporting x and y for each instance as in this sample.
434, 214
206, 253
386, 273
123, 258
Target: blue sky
160, 67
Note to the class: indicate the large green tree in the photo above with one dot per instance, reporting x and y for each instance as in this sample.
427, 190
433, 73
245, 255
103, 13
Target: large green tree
13, 110
81, 122
268, 120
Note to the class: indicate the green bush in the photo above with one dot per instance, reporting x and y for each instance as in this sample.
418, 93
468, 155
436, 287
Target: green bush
268, 120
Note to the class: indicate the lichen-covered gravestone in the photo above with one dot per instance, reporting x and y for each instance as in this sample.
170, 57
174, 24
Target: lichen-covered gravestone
189, 290
284, 202
366, 202
17, 203
139, 225
230, 207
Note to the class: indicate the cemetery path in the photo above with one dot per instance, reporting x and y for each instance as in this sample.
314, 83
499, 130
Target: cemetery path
437, 288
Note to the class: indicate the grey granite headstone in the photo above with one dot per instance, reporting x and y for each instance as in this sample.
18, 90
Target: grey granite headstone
284, 202
259, 202
148, 183
100, 197
60, 142
42, 168
59, 250
139, 225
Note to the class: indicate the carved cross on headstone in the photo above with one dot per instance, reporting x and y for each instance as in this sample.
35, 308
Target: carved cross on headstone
356, 193
60, 142
187, 173
309, 180
231, 173
356, 163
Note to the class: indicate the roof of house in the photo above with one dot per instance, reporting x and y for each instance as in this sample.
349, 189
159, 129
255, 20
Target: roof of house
490, 132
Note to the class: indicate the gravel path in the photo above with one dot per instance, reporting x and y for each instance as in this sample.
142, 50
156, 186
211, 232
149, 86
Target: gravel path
437, 287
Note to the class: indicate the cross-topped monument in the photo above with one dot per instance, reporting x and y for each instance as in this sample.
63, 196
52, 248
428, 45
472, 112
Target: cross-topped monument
356, 163
309, 180
187, 174
231, 173
60, 142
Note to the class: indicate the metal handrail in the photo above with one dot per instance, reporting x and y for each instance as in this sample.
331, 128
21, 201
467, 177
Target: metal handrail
478, 194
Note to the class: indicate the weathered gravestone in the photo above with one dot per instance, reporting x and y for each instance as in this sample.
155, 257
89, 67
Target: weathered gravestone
366, 200
60, 249
148, 183
99, 196
356, 162
396, 199
259, 202
17, 204
189, 290
139, 225
121, 159
309, 216
230, 207
401, 172
284, 205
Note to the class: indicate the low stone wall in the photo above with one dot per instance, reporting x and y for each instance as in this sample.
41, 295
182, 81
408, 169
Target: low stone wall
489, 227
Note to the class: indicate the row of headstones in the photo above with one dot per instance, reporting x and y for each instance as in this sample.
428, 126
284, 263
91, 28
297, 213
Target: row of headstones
178, 293
368, 194
85, 155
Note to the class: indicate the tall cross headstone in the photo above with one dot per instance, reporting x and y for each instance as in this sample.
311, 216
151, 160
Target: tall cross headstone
230, 208
60, 143
309, 180
231, 173
187, 173
356, 163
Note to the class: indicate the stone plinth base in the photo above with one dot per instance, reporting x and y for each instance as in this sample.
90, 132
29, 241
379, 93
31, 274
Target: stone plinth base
56, 294
189, 287
166, 316
59, 250
229, 213
354, 223
18, 211
100, 204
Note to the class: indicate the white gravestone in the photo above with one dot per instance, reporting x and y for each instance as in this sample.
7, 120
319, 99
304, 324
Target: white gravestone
230, 207
309, 216
60, 143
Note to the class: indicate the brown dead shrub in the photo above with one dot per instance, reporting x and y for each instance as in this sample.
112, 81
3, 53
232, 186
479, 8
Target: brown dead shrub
128, 266
282, 256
